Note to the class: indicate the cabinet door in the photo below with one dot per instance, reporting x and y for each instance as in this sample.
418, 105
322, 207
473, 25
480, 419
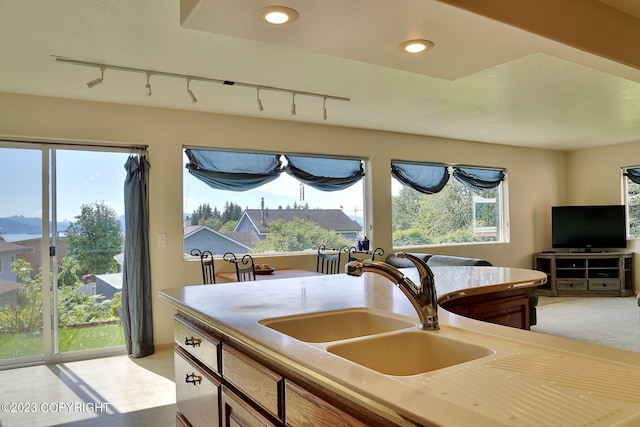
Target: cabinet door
197, 392
512, 311
238, 413
305, 409
257, 382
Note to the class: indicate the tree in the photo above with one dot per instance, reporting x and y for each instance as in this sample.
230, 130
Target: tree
298, 235
95, 238
411, 237
202, 214
26, 315
70, 274
405, 209
231, 212
633, 197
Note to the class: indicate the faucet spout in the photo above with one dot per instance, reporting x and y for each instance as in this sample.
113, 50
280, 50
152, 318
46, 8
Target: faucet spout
423, 297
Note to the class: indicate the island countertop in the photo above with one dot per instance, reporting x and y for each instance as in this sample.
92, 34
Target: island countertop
530, 378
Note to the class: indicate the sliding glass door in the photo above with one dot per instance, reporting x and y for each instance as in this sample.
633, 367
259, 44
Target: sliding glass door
61, 280
22, 293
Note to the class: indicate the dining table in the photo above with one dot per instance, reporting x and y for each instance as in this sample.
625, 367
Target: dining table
277, 273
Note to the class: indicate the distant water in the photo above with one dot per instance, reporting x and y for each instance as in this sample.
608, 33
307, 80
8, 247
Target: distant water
20, 237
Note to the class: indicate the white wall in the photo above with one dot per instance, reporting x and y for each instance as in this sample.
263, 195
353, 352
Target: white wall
595, 178
536, 178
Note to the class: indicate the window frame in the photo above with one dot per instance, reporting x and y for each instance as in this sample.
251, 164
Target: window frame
282, 153
503, 233
625, 199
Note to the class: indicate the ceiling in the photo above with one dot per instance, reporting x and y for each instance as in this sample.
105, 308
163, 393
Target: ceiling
568, 82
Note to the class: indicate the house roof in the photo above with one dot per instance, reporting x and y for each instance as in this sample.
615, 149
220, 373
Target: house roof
330, 219
7, 286
246, 238
243, 238
10, 247
112, 279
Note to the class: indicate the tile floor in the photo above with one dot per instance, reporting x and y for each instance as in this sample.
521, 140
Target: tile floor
113, 391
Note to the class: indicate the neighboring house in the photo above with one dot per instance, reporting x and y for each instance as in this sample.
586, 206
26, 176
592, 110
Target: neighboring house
204, 238
8, 281
258, 220
8, 253
108, 284
9, 292
33, 252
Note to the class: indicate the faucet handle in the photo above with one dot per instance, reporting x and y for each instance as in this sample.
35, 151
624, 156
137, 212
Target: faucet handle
421, 265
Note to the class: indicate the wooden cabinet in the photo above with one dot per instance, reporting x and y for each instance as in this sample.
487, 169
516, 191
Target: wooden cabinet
306, 409
509, 308
197, 392
238, 413
586, 273
219, 384
262, 385
198, 343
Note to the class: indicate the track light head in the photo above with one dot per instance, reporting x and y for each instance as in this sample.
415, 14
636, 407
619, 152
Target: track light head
191, 95
293, 103
97, 81
258, 100
148, 86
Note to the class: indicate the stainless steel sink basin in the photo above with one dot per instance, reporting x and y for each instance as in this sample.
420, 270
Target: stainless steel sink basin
408, 353
336, 325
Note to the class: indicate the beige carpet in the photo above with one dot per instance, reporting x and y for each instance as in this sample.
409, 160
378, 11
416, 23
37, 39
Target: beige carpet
610, 321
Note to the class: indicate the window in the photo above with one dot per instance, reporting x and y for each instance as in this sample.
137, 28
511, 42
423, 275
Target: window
428, 208
268, 202
631, 186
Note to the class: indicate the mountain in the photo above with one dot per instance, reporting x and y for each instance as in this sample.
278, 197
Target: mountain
24, 225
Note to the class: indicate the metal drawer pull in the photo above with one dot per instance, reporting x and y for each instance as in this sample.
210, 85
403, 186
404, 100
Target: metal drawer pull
193, 379
195, 342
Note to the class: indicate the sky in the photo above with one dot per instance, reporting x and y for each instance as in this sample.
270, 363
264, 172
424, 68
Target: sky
85, 177
282, 192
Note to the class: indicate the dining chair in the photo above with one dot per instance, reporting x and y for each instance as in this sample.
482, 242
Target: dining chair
208, 267
355, 255
245, 267
328, 262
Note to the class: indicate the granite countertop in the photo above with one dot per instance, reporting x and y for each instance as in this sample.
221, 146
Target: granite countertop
529, 379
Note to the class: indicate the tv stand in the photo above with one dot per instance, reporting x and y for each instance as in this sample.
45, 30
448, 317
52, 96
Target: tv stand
586, 273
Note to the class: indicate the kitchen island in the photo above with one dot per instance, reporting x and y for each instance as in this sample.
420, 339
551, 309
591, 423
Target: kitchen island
257, 375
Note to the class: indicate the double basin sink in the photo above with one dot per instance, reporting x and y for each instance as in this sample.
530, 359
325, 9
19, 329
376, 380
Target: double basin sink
381, 341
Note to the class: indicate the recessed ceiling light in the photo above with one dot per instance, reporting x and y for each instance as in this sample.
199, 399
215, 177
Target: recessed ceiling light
278, 15
416, 46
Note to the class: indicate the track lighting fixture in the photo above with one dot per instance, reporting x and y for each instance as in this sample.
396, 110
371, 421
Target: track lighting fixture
148, 86
258, 100
97, 81
191, 95
293, 103
324, 108
189, 78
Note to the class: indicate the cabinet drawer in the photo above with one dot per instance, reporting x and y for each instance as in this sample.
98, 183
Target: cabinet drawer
237, 413
305, 409
198, 393
604, 284
197, 342
260, 384
571, 285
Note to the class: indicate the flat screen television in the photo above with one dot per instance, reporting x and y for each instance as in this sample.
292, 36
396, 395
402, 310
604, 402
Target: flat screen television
589, 227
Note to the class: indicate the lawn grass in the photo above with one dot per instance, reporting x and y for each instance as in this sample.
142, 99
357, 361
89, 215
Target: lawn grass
71, 339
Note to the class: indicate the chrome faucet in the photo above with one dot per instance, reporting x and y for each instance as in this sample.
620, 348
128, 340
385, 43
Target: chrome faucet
423, 297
